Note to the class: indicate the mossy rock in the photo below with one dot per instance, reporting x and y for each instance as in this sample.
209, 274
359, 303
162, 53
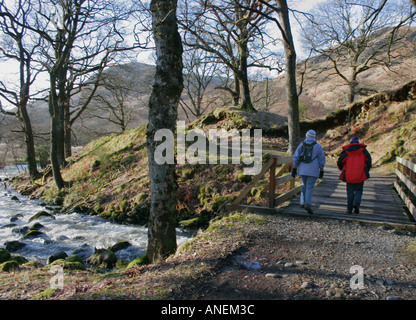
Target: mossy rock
36, 226
219, 202
33, 234
103, 258
138, 262
19, 259
41, 214
243, 178
193, 223
56, 256
140, 214
9, 266
75, 258
120, 246
74, 265
34, 264
4, 255
67, 265
14, 245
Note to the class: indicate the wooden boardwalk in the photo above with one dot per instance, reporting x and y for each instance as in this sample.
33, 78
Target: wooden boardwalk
380, 202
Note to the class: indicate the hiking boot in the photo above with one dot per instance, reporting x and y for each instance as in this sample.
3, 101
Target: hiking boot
349, 211
308, 208
356, 207
302, 206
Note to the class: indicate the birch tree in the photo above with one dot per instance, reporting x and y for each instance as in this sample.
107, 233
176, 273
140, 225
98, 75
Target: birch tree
163, 111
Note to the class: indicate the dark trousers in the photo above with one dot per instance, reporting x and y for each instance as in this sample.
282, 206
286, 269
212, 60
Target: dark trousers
354, 194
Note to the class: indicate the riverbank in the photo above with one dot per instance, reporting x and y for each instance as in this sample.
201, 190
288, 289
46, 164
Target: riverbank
248, 257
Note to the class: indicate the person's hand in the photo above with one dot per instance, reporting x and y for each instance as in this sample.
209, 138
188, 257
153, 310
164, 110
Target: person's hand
321, 174
294, 172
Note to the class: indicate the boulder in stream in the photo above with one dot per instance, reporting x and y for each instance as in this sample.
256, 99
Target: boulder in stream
56, 256
14, 245
103, 258
4, 255
41, 214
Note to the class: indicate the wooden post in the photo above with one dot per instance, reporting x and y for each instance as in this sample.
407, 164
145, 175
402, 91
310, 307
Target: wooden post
292, 182
272, 183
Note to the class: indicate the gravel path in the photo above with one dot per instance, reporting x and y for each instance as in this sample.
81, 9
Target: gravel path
311, 258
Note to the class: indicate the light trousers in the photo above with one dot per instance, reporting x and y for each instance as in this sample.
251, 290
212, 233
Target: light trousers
308, 184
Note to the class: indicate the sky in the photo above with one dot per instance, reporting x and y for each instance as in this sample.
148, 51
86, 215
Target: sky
9, 70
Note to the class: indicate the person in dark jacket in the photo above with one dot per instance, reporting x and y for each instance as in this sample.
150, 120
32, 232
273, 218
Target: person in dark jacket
355, 164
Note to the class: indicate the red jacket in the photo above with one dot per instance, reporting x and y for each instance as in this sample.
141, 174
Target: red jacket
355, 163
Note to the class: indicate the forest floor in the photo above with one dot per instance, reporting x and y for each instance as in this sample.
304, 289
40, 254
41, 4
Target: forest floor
251, 257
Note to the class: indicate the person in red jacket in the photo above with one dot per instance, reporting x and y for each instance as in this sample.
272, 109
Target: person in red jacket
355, 164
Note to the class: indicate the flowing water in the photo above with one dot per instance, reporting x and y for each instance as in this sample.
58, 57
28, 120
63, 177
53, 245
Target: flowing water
73, 233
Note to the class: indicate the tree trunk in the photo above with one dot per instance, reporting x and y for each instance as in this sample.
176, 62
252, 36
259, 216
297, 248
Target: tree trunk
67, 132
246, 105
291, 88
23, 116
29, 141
56, 133
163, 109
237, 91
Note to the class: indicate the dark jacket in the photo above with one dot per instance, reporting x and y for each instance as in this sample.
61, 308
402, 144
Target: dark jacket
355, 163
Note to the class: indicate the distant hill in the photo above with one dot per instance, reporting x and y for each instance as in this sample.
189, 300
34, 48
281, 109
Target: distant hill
324, 92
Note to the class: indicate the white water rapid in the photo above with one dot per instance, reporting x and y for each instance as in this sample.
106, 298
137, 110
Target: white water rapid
73, 233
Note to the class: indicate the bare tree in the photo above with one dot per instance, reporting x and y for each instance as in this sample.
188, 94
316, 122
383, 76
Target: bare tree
113, 101
79, 36
346, 34
227, 29
283, 24
198, 77
163, 111
19, 45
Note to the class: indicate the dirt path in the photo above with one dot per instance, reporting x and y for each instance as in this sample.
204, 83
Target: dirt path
310, 258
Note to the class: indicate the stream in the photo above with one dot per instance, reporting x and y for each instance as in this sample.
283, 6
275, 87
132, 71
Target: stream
73, 233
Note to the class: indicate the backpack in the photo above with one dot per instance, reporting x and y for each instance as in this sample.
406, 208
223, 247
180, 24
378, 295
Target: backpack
354, 167
306, 152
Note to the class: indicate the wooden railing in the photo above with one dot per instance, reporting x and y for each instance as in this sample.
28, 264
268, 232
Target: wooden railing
275, 180
406, 183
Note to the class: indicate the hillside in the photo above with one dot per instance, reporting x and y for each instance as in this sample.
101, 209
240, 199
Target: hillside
109, 176
324, 92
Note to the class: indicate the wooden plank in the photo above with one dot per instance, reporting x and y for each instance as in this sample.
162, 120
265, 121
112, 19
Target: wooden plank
407, 201
272, 184
407, 163
409, 184
253, 181
288, 195
283, 160
284, 179
329, 214
333, 212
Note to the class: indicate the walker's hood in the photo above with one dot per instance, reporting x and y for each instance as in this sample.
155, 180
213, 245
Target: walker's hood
353, 146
